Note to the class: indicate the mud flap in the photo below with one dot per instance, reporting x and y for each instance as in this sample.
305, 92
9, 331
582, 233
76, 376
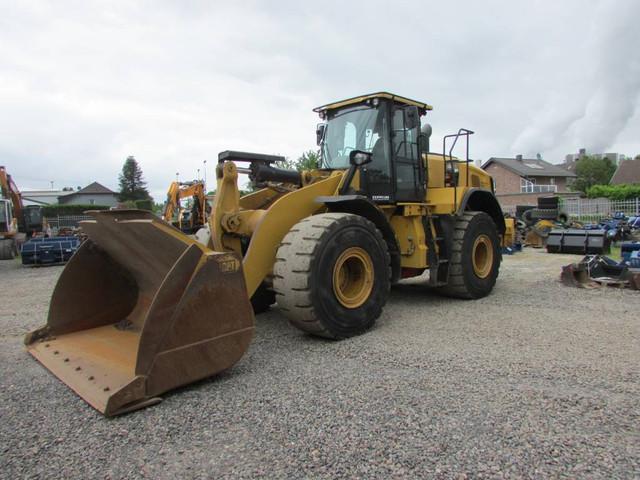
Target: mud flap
141, 309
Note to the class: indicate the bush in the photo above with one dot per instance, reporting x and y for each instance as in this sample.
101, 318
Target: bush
144, 205
614, 192
55, 210
137, 205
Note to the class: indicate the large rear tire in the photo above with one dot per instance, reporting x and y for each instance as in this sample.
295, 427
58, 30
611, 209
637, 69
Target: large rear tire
332, 275
475, 257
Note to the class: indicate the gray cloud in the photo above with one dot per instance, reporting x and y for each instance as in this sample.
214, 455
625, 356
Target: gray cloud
173, 83
596, 109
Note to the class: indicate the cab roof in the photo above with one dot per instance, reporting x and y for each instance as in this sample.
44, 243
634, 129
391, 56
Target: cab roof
351, 101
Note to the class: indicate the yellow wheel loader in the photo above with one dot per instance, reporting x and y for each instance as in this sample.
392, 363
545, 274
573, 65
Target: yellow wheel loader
142, 308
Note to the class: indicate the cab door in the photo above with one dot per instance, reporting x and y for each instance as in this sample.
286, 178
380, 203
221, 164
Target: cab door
5, 216
408, 167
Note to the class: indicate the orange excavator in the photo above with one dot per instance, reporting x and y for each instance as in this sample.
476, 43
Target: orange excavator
16, 220
187, 220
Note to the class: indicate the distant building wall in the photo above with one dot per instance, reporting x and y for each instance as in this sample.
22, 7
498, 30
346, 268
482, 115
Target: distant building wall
613, 156
90, 199
505, 180
41, 197
508, 182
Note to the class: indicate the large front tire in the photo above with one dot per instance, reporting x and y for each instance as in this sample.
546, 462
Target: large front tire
475, 257
332, 275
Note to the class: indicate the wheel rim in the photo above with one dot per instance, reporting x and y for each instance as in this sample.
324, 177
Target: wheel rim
353, 277
482, 255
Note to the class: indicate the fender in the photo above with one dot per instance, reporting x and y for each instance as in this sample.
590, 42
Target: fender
480, 200
360, 205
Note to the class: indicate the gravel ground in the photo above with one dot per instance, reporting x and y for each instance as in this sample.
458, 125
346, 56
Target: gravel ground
537, 380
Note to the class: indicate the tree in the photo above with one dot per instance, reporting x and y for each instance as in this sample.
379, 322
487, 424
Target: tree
307, 161
158, 208
285, 164
132, 185
593, 171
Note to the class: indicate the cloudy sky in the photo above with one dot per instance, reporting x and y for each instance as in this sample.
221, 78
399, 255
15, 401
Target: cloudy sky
85, 84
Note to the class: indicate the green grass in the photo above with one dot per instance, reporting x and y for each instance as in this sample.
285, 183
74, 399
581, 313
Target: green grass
615, 252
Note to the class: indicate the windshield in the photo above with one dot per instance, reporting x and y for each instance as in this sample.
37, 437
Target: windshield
358, 128
3, 210
34, 214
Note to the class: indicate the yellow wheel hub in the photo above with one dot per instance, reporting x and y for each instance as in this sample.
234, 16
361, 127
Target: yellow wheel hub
353, 277
482, 256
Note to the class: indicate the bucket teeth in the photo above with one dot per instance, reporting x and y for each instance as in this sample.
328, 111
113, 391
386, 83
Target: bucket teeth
141, 309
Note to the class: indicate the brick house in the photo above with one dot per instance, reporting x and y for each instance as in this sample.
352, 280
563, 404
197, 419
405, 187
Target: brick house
520, 181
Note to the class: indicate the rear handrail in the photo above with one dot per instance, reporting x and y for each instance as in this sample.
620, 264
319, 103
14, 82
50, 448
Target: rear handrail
464, 132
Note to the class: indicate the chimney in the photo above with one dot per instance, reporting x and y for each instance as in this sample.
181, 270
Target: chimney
519, 157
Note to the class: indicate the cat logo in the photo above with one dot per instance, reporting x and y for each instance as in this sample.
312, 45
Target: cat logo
228, 263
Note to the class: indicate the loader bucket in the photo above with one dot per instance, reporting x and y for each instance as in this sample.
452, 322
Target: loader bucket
141, 309
575, 275
576, 241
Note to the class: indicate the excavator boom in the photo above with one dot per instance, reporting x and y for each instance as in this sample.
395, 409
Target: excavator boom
177, 191
10, 192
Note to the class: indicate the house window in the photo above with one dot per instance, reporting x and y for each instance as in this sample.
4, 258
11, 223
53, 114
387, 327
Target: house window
530, 186
92, 201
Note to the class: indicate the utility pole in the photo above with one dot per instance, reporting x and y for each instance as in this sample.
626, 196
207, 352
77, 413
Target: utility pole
205, 175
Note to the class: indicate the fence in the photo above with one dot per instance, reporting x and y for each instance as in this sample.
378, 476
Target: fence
594, 209
68, 221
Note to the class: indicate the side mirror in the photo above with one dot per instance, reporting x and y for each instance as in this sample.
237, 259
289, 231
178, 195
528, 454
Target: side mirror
423, 138
320, 132
358, 158
411, 117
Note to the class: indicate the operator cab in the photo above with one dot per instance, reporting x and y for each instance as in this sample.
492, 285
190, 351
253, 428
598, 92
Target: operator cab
386, 126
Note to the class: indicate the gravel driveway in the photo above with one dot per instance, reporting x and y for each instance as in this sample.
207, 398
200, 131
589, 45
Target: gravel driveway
537, 380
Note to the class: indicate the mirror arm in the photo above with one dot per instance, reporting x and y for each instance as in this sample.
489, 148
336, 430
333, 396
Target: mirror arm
320, 133
348, 179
